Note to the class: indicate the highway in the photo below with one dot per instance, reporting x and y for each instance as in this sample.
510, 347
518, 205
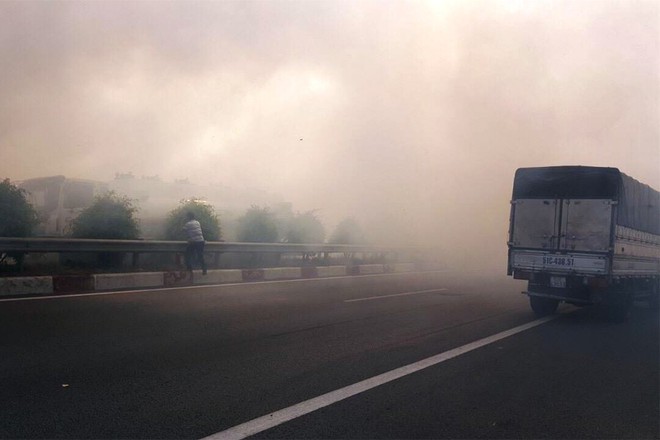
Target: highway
200, 361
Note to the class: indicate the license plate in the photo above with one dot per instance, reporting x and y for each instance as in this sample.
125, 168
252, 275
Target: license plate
559, 282
558, 261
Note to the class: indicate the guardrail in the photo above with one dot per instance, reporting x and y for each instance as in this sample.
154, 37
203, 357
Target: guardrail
137, 247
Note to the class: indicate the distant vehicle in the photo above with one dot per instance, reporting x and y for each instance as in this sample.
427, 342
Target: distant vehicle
584, 235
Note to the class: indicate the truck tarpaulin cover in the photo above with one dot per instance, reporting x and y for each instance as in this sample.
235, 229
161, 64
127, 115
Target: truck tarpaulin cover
638, 207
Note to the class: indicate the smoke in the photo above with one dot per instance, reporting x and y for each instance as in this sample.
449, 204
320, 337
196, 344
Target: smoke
410, 116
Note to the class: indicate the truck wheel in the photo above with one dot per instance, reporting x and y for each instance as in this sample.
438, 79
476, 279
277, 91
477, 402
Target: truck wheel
543, 306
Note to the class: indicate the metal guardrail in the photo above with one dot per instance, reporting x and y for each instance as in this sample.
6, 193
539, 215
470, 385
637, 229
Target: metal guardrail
57, 245
216, 249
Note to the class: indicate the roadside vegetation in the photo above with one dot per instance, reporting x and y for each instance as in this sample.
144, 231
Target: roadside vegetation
115, 217
304, 228
258, 225
110, 216
204, 213
348, 231
17, 216
17, 219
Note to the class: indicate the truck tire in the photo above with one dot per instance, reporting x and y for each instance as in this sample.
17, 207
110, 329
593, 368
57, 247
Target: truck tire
543, 306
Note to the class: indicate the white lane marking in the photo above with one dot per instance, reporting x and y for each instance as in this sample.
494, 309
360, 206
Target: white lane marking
209, 286
369, 298
284, 415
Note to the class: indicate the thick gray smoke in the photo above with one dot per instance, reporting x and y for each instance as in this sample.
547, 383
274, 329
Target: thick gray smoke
410, 116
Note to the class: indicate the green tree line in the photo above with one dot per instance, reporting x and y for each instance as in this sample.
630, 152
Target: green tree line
113, 216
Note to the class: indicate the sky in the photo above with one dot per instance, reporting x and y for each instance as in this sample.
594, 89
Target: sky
411, 116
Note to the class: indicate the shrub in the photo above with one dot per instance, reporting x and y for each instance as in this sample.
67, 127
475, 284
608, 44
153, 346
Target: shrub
17, 216
348, 231
305, 228
257, 225
110, 216
204, 213
17, 219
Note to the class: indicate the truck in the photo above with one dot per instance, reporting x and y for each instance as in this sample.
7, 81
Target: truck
585, 236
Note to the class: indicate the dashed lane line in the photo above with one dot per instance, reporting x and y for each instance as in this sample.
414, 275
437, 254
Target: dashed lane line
417, 292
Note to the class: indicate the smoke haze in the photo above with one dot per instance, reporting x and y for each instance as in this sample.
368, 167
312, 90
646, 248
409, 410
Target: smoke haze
411, 116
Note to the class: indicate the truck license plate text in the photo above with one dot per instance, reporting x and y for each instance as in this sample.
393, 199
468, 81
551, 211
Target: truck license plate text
559, 261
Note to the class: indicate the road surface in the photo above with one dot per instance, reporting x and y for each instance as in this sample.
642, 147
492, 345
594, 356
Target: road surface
196, 362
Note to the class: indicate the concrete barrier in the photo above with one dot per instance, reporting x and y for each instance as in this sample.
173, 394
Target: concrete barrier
218, 276
309, 271
371, 269
402, 267
62, 284
26, 286
282, 273
117, 281
73, 283
331, 271
177, 278
253, 274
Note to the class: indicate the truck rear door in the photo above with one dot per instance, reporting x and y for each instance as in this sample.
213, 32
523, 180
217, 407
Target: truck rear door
586, 225
561, 235
536, 224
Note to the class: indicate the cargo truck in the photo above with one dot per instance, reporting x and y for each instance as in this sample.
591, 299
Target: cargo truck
584, 235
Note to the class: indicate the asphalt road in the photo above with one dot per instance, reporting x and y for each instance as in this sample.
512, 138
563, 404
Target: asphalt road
192, 362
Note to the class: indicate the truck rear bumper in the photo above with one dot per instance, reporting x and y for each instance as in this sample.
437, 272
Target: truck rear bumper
562, 297
573, 290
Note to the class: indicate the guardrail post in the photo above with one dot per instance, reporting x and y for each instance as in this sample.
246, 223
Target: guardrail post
136, 259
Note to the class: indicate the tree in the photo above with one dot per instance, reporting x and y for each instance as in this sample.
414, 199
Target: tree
348, 231
204, 213
257, 225
110, 216
17, 216
305, 228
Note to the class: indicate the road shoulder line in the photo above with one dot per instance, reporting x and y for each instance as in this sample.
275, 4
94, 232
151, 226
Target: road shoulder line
211, 286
